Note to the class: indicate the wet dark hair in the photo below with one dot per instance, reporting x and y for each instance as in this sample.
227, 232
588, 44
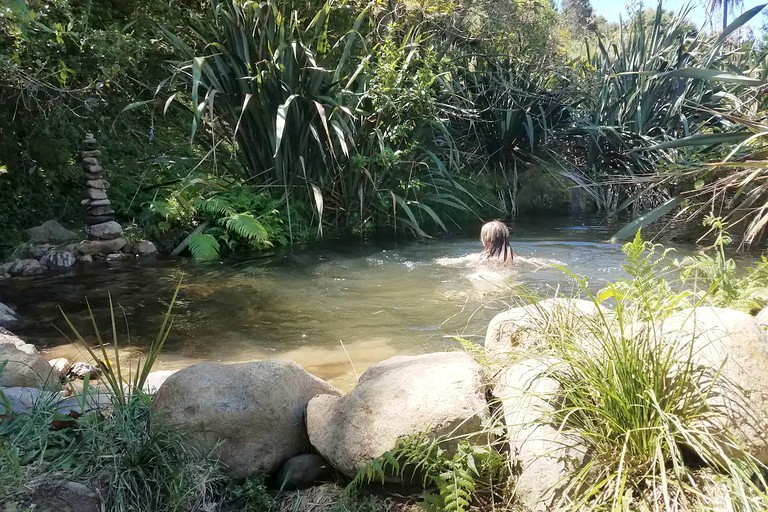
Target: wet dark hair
495, 238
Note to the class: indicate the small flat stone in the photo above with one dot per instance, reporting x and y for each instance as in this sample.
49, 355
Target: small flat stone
100, 184
96, 193
93, 169
101, 202
100, 210
117, 256
89, 161
91, 220
91, 153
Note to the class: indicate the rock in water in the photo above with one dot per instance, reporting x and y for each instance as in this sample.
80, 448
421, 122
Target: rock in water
105, 231
438, 394
81, 370
58, 259
734, 349
7, 316
25, 267
255, 410
25, 367
50, 232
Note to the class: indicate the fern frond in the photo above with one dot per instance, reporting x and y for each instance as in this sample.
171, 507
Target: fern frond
215, 206
246, 226
204, 246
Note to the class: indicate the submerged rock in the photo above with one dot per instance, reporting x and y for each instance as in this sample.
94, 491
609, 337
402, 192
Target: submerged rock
438, 394
252, 414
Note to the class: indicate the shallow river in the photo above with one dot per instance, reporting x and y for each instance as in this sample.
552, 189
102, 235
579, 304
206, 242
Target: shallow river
335, 309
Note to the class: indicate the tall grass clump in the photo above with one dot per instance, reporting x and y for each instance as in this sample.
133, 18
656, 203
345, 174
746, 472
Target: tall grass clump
639, 402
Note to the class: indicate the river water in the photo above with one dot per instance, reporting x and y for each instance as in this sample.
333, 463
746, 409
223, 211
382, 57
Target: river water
334, 308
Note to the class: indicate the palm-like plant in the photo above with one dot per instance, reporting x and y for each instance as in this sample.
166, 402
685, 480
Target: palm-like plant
722, 6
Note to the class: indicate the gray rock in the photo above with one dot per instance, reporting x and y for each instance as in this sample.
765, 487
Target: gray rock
93, 153
89, 161
50, 232
38, 251
81, 370
101, 184
7, 316
90, 220
437, 394
251, 413
96, 194
61, 366
96, 211
734, 348
24, 367
105, 231
546, 454
101, 202
303, 471
523, 328
25, 267
58, 259
89, 247
87, 258
145, 248
116, 256
93, 169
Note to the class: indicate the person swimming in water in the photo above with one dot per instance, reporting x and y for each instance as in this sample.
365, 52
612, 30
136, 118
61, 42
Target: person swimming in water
496, 247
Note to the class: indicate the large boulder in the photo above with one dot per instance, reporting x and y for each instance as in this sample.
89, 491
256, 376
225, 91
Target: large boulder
251, 413
24, 367
50, 232
441, 394
525, 327
734, 349
762, 317
547, 455
25, 267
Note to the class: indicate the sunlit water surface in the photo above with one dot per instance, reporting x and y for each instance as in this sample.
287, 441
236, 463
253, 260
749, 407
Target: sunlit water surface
335, 309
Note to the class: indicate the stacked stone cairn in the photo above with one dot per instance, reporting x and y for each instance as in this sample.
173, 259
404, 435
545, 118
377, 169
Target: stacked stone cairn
100, 217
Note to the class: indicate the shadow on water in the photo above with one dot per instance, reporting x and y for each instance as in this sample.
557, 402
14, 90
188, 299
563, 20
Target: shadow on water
336, 308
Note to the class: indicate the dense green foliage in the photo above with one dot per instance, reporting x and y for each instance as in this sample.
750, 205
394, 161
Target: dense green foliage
318, 119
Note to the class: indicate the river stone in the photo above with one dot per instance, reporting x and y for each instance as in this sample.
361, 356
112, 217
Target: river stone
100, 202
523, 328
7, 316
302, 471
546, 454
25, 367
50, 232
89, 247
98, 183
58, 259
93, 153
732, 343
156, 379
89, 161
81, 370
91, 220
61, 365
438, 394
38, 251
25, 267
145, 248
105, 231
255, 410
96, 193
100, 210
